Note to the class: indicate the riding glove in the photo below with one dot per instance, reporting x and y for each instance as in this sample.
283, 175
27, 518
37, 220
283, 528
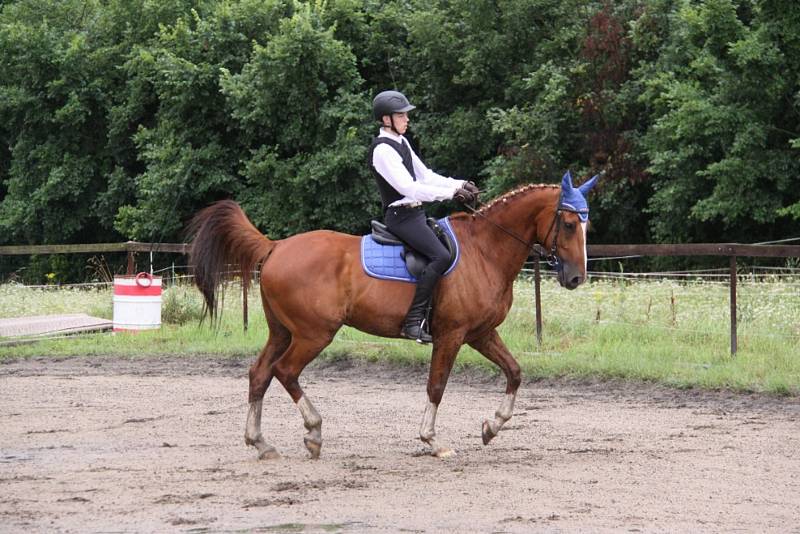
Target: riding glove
472, 188
463, 196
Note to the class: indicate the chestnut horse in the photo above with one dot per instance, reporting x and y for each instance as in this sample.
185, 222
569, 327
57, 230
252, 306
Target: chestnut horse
313, 283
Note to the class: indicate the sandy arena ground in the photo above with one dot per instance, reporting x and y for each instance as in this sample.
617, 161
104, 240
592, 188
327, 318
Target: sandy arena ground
156, 444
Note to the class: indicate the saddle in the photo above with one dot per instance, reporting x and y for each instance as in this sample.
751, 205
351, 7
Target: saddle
415, 262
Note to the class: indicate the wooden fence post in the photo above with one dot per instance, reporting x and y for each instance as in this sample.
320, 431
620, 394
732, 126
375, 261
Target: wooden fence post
244, 303
734, 341
538, 299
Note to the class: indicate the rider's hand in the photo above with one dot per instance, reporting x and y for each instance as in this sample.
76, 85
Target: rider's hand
463, 196
472, 188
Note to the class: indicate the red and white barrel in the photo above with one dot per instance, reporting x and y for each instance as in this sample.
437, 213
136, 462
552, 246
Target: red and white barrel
137, 302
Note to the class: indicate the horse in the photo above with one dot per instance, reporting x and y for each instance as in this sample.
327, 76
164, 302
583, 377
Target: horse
313, 283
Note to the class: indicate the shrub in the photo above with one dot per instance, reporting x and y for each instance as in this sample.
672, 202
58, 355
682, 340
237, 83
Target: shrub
181, 304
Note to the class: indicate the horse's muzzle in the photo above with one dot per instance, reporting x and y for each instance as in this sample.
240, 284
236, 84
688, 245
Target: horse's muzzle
570, 277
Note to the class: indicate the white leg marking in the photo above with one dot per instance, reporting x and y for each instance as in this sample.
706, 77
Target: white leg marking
252, 433
313, 423
503, 414
253, 429
310, 415
427, 433
506, 409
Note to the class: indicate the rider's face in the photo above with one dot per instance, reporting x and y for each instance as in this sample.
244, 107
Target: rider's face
400, 121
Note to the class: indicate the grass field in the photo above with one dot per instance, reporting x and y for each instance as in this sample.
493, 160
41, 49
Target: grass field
675, 333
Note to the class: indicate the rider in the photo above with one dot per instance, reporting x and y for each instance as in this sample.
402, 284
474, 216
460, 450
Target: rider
405, 183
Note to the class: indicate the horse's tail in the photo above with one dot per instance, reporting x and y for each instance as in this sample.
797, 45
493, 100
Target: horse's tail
223, 236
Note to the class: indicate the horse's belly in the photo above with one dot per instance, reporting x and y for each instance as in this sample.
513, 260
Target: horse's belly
380, 307
387, 329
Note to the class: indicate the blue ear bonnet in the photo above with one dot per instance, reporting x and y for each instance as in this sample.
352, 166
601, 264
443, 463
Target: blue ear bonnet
574, 198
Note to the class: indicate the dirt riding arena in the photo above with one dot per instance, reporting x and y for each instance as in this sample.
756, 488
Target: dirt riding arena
156, 444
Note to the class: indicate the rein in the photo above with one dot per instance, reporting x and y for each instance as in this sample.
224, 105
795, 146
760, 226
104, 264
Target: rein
549, 256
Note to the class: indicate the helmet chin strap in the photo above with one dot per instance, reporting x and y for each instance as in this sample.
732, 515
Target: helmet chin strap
391, 120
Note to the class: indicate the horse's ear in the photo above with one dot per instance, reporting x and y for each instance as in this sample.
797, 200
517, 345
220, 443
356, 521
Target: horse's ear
586, 187
566, 182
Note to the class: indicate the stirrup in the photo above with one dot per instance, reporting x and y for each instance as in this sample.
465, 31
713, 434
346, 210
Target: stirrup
417, 333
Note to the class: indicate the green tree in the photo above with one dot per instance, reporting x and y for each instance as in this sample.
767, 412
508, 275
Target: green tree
572, 104
188, 145
303, 117
61, 79
120, 119
468, 65
723, 114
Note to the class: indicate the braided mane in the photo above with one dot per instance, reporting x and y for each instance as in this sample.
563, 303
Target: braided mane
514, 192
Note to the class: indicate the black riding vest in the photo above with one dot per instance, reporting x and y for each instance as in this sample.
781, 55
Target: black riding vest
388, 193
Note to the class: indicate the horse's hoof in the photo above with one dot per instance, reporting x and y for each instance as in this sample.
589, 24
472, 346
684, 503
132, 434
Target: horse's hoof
444, 452
314, 447
270, 453
487, 433
265, 451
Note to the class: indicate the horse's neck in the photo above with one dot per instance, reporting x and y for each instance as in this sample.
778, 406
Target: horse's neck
511, 223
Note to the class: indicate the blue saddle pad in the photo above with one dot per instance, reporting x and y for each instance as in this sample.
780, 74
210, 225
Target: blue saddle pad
385, 262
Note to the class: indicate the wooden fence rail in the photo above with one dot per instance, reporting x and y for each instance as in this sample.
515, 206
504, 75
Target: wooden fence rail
730, 250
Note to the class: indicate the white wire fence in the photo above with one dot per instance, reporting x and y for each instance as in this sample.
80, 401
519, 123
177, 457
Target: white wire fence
681, 302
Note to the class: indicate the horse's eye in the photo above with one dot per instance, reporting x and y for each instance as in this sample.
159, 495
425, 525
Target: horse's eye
569, 226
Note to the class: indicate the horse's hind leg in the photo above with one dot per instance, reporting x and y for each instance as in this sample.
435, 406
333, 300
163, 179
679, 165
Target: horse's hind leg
495, 350
287, 370
260, 378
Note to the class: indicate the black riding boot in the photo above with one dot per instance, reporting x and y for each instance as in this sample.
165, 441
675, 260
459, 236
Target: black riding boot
416, 325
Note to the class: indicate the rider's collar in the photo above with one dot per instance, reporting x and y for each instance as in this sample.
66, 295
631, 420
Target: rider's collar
391, 135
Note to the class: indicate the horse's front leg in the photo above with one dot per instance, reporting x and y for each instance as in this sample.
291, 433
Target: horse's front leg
445, 350
495, 350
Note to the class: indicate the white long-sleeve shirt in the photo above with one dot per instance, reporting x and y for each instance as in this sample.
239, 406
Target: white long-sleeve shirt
427, 187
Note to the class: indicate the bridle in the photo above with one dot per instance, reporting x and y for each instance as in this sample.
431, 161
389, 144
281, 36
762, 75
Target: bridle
549, 256
568, 200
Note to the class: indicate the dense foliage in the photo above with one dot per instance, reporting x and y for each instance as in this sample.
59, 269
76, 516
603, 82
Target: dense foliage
119, 119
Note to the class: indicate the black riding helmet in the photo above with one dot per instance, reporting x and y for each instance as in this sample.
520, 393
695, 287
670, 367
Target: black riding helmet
388, 102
